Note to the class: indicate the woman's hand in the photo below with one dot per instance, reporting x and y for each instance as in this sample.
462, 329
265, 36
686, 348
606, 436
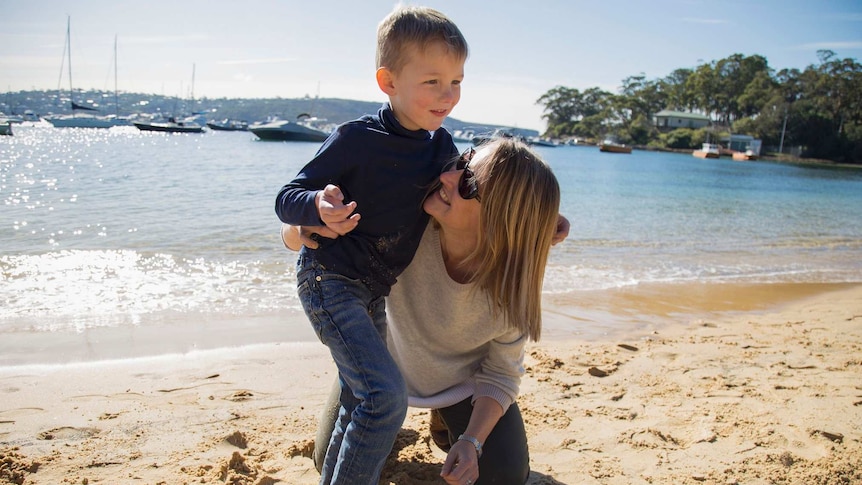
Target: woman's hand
294, 237
462, 464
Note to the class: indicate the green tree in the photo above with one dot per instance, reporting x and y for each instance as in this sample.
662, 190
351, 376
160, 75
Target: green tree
736, 75
681, 138
679, 97
759, 92
704, 86
841, 84
561, 105
566, 109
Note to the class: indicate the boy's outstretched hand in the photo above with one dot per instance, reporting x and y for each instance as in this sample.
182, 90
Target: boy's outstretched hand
334, 212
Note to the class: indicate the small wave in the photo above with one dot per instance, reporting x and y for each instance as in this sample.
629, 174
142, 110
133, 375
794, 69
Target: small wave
566, 279
84, 289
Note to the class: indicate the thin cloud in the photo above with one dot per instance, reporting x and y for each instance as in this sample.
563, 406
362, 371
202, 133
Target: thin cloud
703, 21
831, 45
28, 61
167, 39
271, 60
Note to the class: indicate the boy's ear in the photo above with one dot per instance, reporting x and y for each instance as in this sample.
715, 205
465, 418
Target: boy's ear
386, 81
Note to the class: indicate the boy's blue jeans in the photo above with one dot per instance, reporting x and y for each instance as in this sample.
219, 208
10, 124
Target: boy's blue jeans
352, 323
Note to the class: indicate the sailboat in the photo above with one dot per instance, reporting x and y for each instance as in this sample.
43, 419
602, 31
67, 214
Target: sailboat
85, 119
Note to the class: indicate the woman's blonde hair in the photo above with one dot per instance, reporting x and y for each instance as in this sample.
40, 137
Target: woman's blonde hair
520, 199
412, 26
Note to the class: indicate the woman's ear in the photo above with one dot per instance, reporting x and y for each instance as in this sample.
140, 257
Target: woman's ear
386, 81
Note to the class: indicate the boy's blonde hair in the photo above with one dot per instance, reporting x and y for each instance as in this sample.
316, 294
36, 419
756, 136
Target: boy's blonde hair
411, 26
520, 206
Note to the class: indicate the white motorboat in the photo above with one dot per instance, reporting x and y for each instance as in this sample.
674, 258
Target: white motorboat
307, 129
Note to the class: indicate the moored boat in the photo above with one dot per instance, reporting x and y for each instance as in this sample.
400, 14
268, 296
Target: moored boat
86, 120
228, 125
463, 136
708, 150
745, 156
284, 130
541, 142
609, 146
482, 138
5, 127
170, 126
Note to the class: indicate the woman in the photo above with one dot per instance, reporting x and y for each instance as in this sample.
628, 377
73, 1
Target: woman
462, 312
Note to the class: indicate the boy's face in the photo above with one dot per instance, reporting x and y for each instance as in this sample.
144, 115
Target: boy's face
426, 89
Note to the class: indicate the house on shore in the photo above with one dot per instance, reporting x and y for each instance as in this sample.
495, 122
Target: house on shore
666, 120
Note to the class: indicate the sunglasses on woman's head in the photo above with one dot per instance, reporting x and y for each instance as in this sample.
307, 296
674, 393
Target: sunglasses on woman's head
468, 187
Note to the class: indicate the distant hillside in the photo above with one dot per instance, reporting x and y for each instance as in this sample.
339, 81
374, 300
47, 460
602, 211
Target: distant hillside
333, 109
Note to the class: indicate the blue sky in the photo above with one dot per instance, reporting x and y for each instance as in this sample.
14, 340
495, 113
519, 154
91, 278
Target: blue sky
519, 50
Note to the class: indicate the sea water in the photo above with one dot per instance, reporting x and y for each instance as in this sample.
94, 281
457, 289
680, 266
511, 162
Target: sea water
171, 236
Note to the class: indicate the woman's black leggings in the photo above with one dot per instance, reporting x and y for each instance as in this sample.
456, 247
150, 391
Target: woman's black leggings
505, 456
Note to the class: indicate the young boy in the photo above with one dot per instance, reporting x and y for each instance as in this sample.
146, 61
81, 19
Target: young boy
379, 166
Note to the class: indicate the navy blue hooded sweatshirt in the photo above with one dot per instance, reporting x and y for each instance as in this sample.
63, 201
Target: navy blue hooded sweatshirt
387, 170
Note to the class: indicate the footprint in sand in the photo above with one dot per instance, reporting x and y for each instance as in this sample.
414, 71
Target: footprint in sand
9, 416
239, 396
67, 433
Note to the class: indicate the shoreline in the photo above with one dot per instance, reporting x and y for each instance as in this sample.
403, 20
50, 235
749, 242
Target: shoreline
776, 158
765, 391
584, 316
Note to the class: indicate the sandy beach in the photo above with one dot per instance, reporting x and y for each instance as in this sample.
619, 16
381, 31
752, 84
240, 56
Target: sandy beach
752, 387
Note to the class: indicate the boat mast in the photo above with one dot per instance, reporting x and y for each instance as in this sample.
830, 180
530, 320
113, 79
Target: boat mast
69, 52
116, 95
62, 64
193, 89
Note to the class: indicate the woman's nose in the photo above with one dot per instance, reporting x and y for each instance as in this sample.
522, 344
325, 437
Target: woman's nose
450, 176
